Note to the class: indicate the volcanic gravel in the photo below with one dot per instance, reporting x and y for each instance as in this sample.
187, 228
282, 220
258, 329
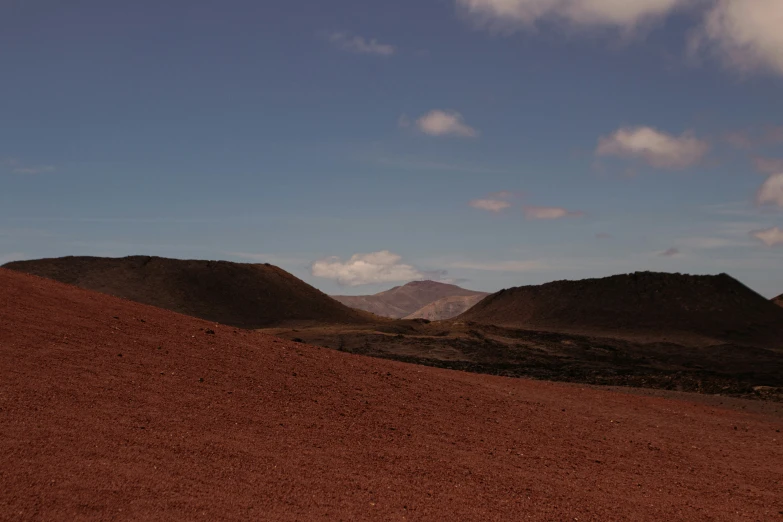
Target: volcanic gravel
113, 410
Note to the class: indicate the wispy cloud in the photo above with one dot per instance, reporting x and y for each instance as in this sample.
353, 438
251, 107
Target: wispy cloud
710, 243
725, 235
731, 208
770, 236
360, 45
491, 205
17, 167
445, 123
656, 148
544, 213
495, 202
670, 252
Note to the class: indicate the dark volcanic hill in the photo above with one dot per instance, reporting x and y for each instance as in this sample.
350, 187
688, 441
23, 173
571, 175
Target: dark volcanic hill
402, 301
778, 300
237, 294
717, 307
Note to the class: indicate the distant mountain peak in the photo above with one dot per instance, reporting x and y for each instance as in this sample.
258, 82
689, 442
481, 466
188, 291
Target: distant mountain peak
401, 301
427, 282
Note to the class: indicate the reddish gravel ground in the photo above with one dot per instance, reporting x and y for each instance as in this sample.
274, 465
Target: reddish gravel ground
113, 410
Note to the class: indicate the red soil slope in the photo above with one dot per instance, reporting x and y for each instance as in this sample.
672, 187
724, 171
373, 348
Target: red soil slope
116, 410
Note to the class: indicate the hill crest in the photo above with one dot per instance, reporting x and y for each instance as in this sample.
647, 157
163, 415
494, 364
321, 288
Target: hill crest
237, 294
661, 304
401, 301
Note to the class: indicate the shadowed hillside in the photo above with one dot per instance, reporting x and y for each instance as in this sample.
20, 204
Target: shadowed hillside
717, 307
402, 301
237, 294
778, 300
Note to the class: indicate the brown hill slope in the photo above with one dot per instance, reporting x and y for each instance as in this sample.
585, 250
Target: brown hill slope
237, 294
778, 300
717, 307
446, 308
401, 301
112, 410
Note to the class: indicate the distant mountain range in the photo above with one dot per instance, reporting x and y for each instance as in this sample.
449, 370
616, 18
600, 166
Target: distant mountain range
417, 299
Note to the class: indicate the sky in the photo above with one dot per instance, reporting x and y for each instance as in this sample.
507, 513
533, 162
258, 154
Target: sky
360, 145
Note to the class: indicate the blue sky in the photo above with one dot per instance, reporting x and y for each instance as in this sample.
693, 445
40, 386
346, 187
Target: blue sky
362, 144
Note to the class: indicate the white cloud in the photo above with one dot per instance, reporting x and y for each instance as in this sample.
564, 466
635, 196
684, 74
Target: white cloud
532, 212
362, 269
445, 123
622, 14
495, 202
745, 34
492, 205
670, 252
741, 208
771, 236
771, 192
358, 44
656, 148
